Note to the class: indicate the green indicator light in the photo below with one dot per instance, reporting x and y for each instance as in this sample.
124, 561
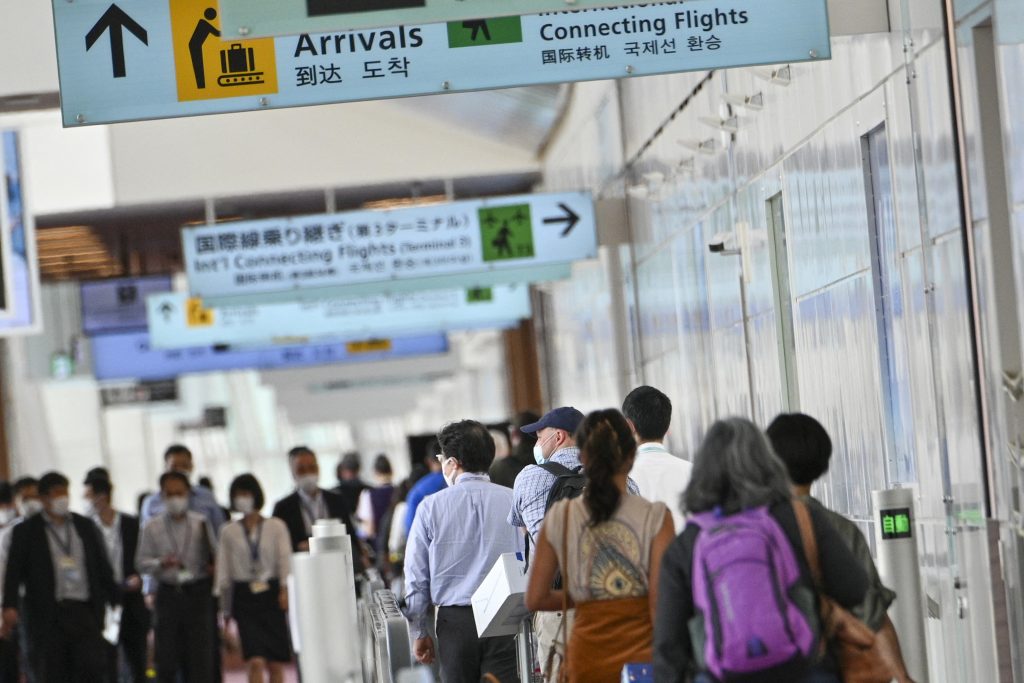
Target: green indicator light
895, 523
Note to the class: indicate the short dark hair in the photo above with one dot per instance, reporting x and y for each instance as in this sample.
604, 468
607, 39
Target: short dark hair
351, 462
96, 473
23, 483
174, 475
247, 483
735, 470
205, 481
470, 443
176, 449
650, 411
100, 487
382, 465
6, 493
299, 451
50, 481
430, 450
803, 446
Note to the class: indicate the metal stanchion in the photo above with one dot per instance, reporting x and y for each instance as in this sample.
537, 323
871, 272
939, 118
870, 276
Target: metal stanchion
900, 569
527, 660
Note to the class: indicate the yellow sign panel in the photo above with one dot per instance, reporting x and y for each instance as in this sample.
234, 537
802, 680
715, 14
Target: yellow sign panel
208, 68
198, 316
369, 346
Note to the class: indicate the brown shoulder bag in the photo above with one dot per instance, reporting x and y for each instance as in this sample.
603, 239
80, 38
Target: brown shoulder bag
854, 644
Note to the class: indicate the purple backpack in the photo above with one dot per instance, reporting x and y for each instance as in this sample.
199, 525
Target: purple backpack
756, 619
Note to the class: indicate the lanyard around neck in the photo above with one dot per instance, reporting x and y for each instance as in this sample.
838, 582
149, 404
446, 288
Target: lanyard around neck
65, 545
180, 554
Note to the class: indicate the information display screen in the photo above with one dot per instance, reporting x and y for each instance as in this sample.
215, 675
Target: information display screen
896, 523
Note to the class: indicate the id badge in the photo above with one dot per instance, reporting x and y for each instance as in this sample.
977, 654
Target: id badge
69, 568
258, 587
185, 576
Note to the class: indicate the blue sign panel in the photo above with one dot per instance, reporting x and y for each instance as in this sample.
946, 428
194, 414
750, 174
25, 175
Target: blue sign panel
422, 244
119, 304
149, 59
130, 356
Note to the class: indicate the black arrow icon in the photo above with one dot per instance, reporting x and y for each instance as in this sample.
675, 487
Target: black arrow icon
571, 218
167, 309
116, 21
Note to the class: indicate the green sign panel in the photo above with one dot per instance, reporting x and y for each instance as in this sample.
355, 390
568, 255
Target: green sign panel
506, 232
479, 295
502, 31
896, 523
264, 18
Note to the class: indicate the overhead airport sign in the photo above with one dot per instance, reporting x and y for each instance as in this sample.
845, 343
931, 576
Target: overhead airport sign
177, 321
150, 59
424, 244
282, 17
131, 356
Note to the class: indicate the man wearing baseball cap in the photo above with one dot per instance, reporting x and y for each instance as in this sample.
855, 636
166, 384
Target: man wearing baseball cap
555, 443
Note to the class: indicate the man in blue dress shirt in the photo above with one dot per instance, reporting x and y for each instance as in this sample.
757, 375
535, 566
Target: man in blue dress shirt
456, 538
178, 458
428, 485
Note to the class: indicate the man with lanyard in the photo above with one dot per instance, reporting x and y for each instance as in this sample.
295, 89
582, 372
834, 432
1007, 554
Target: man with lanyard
309, 503
176, 549
120, 534
660, 475
555, 444
59, 559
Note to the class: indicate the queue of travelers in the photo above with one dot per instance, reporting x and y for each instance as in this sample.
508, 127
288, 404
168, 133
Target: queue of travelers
722, 567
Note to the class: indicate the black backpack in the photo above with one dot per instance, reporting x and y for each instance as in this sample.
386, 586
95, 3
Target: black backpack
568, 483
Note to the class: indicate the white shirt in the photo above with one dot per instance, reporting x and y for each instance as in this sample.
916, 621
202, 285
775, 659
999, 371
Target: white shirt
662, 478
112, 539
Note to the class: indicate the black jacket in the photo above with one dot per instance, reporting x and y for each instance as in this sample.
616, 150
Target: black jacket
504, 472
289, 510
30, 564
135, 610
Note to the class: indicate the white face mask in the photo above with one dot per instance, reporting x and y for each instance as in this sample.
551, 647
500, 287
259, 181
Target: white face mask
245, 504
59, 507
538, 451
90, 509
308, 482
448, 479
176, 505
30, 507
6, 515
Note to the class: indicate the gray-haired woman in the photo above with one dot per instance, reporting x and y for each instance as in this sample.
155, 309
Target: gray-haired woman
739, 491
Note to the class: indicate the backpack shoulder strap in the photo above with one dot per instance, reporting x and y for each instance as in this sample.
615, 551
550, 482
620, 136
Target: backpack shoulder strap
557, 469
810, 541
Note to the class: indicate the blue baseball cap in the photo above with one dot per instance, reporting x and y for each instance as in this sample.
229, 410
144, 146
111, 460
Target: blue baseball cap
567, 418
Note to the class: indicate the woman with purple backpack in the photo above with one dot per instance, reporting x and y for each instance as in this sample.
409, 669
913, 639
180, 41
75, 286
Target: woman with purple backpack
737, 599
608, 545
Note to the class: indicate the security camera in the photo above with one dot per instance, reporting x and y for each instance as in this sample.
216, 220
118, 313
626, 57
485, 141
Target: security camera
716, 247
